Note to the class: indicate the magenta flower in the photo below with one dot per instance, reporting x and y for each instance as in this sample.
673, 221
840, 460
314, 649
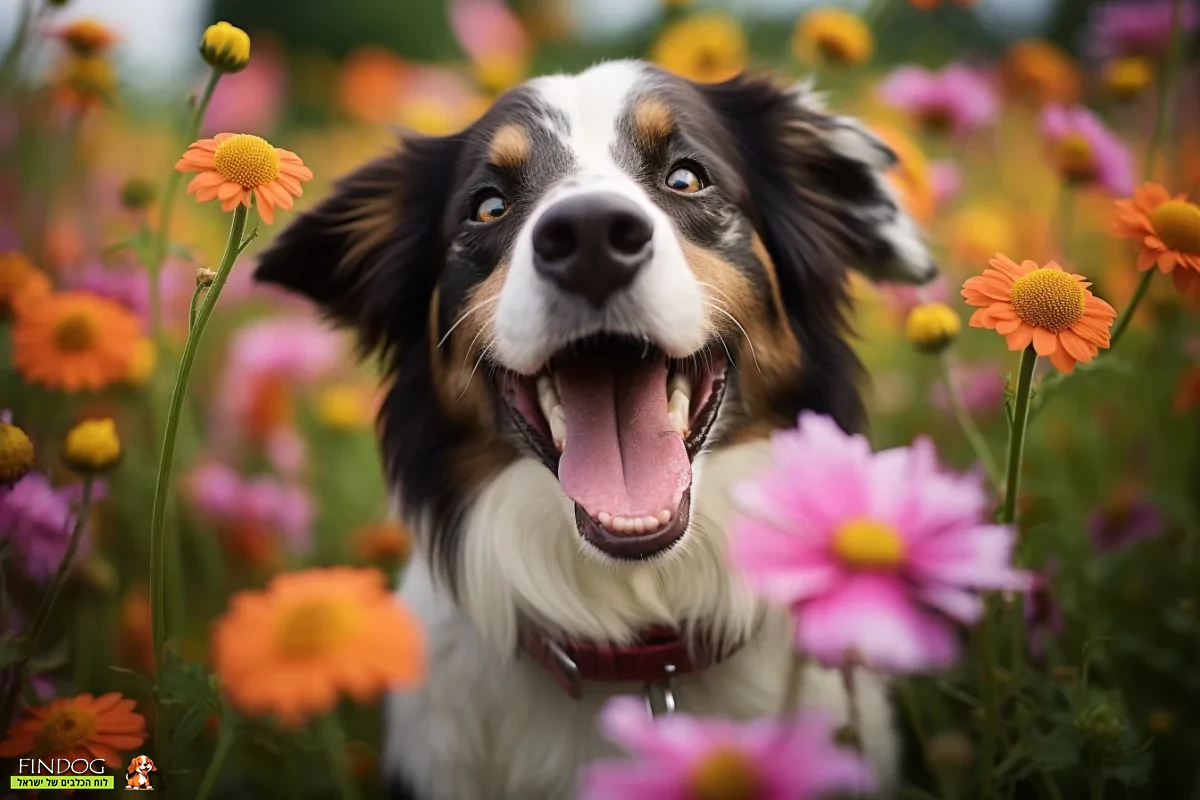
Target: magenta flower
36, 517
877, 554
682, 756
956, 100
1085, 151
1137, 27
980, 387
1123, 522
221, 495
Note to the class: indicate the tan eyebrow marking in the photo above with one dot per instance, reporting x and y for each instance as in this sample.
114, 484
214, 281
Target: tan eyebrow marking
510, 146
653, 122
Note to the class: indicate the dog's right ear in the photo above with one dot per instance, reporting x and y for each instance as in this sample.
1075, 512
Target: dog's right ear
370, 254
132, 766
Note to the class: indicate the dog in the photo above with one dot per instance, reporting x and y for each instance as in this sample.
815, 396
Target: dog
137, 774
593, 307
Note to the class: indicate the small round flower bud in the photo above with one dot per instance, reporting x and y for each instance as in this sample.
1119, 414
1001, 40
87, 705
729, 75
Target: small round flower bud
137, 194
92, 446
931, 327
1101, 726
16, 453
205, 277
225, 47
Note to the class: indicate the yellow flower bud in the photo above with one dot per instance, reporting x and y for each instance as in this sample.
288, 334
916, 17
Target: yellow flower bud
16, 453
145, 359
92, 446
225, 47
932, 326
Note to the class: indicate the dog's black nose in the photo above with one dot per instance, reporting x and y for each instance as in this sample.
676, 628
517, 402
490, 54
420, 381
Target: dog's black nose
592, 245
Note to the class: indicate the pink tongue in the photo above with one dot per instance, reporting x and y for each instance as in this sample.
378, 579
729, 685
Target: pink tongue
622, 455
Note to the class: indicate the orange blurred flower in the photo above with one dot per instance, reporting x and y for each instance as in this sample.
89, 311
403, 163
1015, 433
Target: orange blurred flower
387, 542
1037, 70
234, 166
978, 231
1043, 306
911, 176
83, 82
708, 47
369, 86
1169, 230
1187, 393
75, 341
86, 36
292, 649
83, 726
832, 36
134, 639
20, 283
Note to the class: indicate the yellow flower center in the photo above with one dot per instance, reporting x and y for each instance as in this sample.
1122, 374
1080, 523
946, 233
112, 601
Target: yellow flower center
1075, 158
66, 729
1127, 77
16, 453
1177, 223
725, 774
315, 627
76, 333
1048, 298
246, 160
868, 544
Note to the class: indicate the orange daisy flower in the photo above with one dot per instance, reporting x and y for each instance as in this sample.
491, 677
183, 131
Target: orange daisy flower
386, 541
20, 282
1043, 306
313, 635
1169, 228
234, 166
78, 727
75, 341
87, 36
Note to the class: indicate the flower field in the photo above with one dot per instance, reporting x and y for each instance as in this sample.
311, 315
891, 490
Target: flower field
196, 553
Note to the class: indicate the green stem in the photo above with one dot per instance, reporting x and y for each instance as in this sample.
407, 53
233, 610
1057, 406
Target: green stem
974, 436
194, 306
1127, 317
854, 717
12, 58
162, 239
1096, 784
38, 627
166, 462
335, 748
225, 736
991, 698
1016, 438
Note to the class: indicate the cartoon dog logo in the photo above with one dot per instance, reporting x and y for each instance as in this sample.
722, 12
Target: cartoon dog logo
137, 775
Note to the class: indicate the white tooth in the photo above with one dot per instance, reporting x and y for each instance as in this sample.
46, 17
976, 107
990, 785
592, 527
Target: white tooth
604, 518
677, 411
558, 426
679, 382
650, 524
639, 525
664, 517
618, 524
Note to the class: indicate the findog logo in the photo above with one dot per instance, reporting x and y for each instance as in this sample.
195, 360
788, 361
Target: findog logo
137, 775
61, 773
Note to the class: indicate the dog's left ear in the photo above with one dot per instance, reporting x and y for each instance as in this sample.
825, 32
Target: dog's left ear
132, 766
818, 183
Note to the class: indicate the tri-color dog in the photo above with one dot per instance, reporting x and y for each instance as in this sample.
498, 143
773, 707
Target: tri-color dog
594, 306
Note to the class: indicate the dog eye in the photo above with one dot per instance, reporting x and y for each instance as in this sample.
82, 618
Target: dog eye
491, 208
684, 179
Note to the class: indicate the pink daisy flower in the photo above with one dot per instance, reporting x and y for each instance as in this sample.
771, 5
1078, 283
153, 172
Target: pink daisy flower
877, 554
1137, 27
980, 387
222, 496
1085, 151
956, 100
683, 756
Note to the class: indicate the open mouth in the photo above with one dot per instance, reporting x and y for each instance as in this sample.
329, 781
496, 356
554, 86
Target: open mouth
619, 423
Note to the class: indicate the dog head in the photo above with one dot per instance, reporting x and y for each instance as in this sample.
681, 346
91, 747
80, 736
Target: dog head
141, 765
584, 300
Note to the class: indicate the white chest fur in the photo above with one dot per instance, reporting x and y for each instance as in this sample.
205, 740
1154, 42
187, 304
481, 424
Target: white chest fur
485, 727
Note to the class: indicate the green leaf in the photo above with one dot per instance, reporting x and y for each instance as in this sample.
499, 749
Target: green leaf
1134, 770
188, 727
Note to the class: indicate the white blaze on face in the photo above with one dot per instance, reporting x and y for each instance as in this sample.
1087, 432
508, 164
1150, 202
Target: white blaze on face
535, 318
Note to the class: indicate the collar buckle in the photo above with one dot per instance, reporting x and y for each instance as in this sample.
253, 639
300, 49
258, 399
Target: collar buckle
662, 688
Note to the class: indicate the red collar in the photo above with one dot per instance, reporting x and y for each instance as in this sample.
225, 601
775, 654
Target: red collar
659, 654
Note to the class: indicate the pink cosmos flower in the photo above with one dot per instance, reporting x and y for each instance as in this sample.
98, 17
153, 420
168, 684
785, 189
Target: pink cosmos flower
682, 756
1137, 27
36, 517
1085, 151
877, 554
956, 100
980, 387
222, 495
494, 40
946, 178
